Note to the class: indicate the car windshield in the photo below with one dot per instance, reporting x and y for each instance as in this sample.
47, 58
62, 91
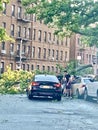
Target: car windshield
46, 78
86, 81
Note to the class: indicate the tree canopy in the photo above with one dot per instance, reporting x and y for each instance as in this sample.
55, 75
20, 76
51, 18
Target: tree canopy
3, 35
67, 16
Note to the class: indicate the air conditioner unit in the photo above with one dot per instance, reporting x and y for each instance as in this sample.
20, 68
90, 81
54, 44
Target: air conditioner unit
52, 58
12, 53
18, 67
3, 51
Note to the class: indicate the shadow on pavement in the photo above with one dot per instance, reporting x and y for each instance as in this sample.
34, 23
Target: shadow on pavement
92, 99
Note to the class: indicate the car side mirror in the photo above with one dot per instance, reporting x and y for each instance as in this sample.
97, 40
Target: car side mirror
92, 80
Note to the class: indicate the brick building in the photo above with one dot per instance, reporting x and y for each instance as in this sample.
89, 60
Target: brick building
35, 47
84, 54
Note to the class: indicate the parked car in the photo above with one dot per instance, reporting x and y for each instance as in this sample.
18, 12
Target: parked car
91, 90
44, 85
79, 87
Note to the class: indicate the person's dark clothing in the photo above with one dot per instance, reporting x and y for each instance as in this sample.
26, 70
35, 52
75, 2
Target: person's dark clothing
67, 76
68, 85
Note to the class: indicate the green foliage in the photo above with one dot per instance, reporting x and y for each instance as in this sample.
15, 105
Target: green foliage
71, 67
43, 72
15, 81
3, 35
67, 16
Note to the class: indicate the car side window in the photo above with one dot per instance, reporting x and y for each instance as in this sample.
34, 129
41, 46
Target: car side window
78, 80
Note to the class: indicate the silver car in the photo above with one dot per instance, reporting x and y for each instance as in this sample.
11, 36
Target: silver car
79, 87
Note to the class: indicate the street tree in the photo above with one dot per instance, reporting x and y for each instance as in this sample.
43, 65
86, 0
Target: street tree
68, 16
3, 35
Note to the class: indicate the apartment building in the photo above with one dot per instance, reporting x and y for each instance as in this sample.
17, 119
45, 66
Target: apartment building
35, 46
84, 54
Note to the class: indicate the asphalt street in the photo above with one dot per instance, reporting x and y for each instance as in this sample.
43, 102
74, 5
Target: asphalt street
17, 112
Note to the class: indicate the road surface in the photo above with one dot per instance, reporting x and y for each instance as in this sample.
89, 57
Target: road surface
17, 112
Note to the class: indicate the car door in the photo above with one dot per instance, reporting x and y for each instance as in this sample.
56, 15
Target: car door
76, 85
92, 88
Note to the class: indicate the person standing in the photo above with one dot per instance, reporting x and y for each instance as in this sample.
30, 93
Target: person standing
66, 75
66, 78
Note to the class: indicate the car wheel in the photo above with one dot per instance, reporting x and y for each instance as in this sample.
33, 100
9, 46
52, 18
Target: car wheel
85, 96
59, 98
97, 96
77, 94
29, 95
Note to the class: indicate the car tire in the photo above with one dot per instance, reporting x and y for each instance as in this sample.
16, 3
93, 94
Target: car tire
97, 96
29, 95
59, 98
77, 94
85, 95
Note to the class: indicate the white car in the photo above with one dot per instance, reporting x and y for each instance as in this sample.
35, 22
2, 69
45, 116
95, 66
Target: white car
91, 90
85, 88
79, 87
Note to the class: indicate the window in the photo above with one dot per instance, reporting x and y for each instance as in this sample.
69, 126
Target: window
19, 12
43, 68
32, 67
44, 54
65, 55
34, 34
11, 47
48, 52
23, 66
33, 52
19, 31
40, 21
61, 58
56, 69
13, 10
45, 36
52, 68
39, 52
52, 53
28, 67
28, 33
24, 49
24, 32
89, 58
3, 46
12, 30
57, 54
66, 42
18, 49
34, 17
37, 67
57, 41
11, 65
4, 8
54, 37
79, 41
78, 80
4, 25
28, 50
94, 59
49, 37
2, 67
39, 35
48, 68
